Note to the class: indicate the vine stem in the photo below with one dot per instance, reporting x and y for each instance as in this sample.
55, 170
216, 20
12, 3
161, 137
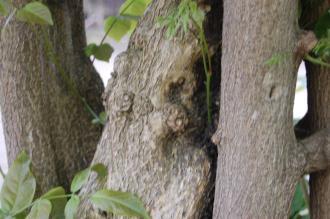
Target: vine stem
111, 26
71, 85
35, 201
316, 61
2, 173
207, 69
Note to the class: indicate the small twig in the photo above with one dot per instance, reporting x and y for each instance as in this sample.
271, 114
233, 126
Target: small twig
9, 18
316, 61
51, 53
3, 175
111, 26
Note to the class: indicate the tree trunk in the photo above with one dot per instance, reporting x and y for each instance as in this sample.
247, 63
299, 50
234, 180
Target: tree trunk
259, 161
318, 115
41, 115
157, 141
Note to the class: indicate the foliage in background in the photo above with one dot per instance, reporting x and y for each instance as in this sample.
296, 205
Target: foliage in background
321, 52
17, 196
300, 202
116, 27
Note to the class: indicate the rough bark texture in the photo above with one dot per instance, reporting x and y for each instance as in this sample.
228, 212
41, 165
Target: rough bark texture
318, 116
258, 163
40, 114
154, 143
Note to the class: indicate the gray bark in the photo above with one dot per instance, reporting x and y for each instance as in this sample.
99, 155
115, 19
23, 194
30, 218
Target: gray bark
318, 116
40, 114
258, 162
152, 143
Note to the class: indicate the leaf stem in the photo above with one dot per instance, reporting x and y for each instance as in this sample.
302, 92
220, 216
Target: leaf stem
71, 85
111, 26
35, 201
207, 69
2, 173
316, 61
57, 197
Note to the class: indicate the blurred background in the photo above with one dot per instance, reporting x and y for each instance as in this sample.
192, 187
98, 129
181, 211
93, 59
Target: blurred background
95, 13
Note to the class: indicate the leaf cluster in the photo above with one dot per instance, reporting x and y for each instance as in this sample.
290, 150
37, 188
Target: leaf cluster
32, 13
322, 30
18, 191
116, 27
182, 18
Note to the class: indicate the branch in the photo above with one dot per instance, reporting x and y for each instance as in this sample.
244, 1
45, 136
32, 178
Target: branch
317, 151
307, 41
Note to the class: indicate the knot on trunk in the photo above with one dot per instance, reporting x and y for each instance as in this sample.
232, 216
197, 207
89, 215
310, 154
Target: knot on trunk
307, 41
176, 118
123, 103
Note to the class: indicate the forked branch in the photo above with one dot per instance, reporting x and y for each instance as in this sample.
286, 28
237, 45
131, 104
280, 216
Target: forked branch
317, 151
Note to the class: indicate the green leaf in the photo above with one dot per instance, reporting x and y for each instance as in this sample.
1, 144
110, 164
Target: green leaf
81, 177
72, 207
119, 203
90, 49
100, 169
102, 52
58, 202
179, 20
35, 13
40, 210
276, 59
19, 186
323, 25
103, 117
133, 7
322, 48
298, 202
4, 7
79, 180
2, 214
117, 27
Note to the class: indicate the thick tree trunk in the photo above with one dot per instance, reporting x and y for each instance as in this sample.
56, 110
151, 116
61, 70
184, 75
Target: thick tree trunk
40, 113
318, 116
259, 161
153, 143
